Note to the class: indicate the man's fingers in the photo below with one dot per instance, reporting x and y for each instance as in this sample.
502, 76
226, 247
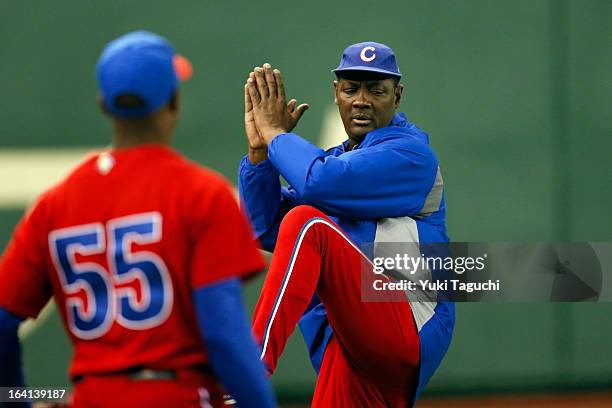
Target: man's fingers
253, 92
270, 80
291, 105
262, 87
299, 111
248, 103
280, 85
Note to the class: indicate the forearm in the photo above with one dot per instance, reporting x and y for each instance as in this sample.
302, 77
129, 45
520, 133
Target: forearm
260, 195
230, 346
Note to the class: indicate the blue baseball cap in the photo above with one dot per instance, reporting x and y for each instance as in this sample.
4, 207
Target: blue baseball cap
369, 56
142, 67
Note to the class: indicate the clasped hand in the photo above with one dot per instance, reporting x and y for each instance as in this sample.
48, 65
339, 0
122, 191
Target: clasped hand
267, 114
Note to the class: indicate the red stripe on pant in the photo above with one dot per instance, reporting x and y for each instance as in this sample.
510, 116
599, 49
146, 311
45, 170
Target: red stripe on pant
374, 355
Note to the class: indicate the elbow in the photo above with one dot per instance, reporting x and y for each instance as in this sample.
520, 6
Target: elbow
308, 194
325, 180
312, 193
267, 239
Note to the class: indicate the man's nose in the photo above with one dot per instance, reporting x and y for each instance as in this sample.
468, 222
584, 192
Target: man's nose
361, 99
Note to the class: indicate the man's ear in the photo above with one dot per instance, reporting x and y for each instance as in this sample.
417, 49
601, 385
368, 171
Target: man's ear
102, 106
336, 92
399, 90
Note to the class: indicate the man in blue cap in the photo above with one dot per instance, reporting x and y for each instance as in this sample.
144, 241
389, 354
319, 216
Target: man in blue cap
144, 253
383, 184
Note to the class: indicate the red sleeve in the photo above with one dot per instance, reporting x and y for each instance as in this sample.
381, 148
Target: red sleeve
224, 245
24, 286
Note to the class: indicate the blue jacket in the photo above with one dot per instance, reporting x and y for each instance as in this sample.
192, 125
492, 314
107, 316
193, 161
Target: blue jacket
388, 188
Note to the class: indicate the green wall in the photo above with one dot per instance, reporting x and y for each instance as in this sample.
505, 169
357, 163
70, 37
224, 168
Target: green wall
516, 97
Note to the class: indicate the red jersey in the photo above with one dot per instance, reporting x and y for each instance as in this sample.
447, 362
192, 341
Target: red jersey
121, 244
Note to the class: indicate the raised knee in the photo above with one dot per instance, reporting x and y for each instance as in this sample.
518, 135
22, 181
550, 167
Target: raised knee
302, 214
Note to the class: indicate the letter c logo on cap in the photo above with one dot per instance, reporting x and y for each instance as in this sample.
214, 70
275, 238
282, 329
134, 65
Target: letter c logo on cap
365, 58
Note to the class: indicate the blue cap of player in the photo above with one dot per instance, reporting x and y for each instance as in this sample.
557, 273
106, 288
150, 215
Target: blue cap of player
369, 56
141, 68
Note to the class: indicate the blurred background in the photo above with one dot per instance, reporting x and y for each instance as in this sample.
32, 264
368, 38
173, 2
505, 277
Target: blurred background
516, 96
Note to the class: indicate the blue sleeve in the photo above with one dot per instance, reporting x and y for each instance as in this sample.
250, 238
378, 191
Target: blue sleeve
390, 179
265, 202
11, 374
231, 349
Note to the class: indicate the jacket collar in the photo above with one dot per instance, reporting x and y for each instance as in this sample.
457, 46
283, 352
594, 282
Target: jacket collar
399, 127
399, 122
